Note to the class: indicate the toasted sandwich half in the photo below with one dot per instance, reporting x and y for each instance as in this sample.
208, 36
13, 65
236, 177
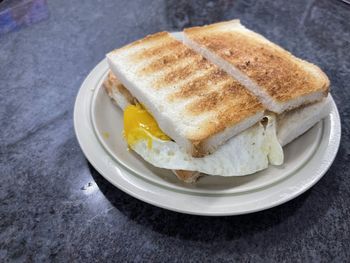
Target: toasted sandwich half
290, 125
248, 152
194, 102
280, 80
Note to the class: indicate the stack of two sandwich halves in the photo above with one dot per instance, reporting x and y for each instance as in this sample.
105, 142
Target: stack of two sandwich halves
222, 100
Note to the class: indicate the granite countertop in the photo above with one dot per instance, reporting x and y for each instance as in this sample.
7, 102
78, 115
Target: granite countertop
54, 206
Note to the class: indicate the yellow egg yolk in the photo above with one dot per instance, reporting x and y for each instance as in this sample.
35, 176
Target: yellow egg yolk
140, 125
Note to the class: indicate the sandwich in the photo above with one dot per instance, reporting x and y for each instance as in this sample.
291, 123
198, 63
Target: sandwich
185, 112
195, 103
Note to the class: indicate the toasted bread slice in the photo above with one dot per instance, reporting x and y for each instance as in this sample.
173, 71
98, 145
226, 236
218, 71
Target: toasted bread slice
122, 98
280, 80
292, 124
115, 89
194, 102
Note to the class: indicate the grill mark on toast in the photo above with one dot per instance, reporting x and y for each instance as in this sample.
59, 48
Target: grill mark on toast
185, 71
235, 113
231, 98
207, 103
200, 85
271, 68
229, 105
156, 51
168, 61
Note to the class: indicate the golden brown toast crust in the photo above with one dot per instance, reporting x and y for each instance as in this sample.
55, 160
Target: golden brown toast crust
275, 70
158, 50
112, 82
200, 86
168, 60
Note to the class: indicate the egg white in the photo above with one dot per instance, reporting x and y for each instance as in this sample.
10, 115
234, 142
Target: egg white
246, 153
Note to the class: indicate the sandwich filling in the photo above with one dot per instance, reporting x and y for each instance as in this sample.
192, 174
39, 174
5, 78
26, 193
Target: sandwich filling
140, 125
246, 153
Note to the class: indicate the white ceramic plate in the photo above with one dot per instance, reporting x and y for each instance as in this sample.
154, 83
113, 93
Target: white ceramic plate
98, 126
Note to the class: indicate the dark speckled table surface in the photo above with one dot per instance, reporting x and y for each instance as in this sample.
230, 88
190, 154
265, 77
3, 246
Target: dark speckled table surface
47, 213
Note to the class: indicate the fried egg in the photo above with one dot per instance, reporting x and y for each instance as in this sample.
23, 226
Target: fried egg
246, 153
139, 125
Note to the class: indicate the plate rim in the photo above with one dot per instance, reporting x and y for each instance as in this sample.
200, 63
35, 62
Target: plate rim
81, 103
